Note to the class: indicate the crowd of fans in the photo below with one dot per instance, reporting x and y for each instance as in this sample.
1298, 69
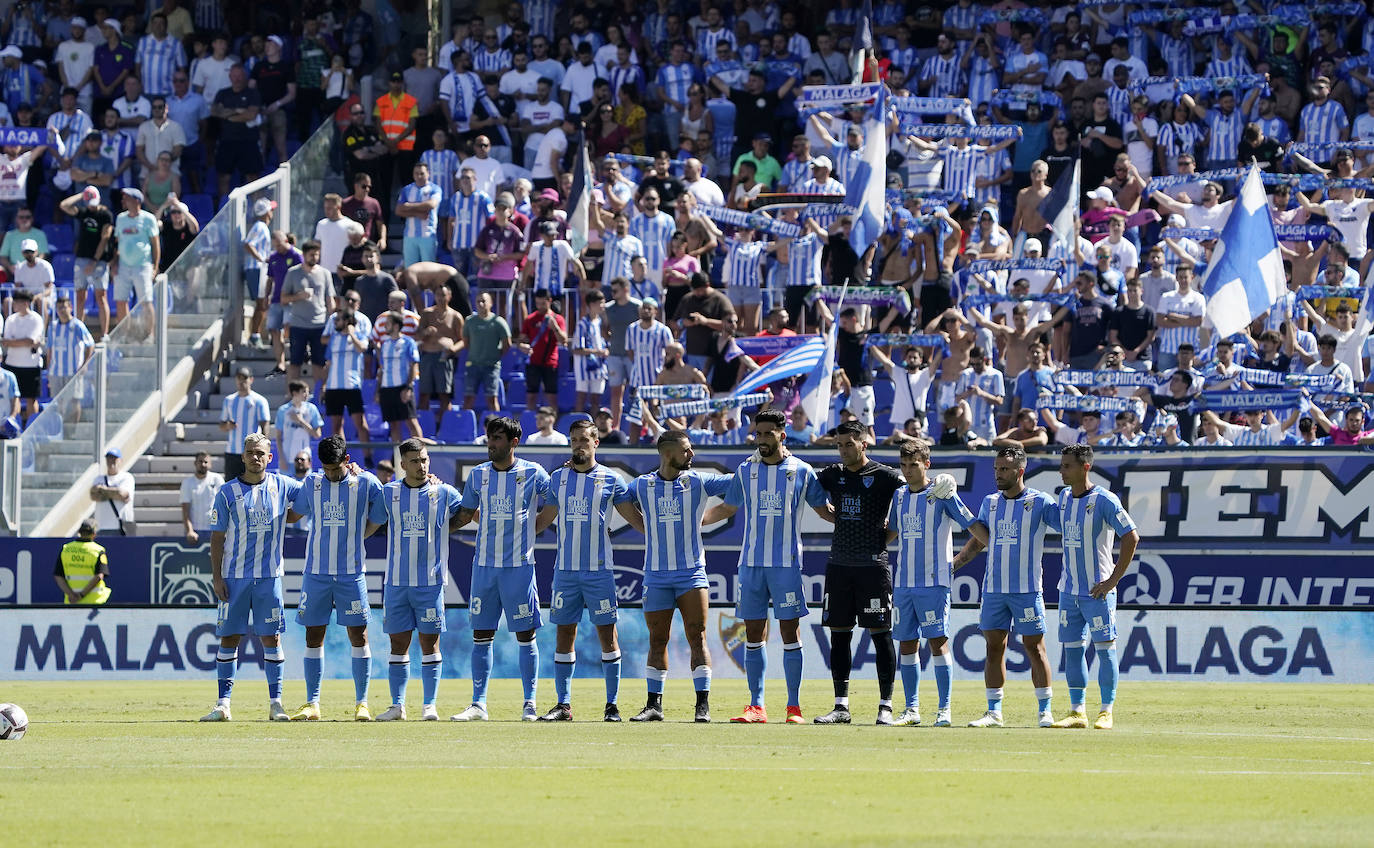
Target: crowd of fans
499, 297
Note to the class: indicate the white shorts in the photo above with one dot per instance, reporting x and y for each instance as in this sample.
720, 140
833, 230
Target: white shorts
591, 386
861, 404
137, 279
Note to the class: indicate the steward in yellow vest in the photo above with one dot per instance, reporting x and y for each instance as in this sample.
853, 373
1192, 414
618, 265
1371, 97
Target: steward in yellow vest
81, 568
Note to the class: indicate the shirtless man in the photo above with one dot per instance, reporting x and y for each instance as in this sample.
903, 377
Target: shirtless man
440, 338
962, 338
1015, 341
676, 371
1027, 219
431, 276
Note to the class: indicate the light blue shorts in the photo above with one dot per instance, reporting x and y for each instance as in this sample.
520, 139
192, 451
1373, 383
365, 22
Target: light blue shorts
509, 590
407, 608
574, 591
759, 585
663, 588
1084, 614
260, 596
344, 594
1023, 613
920, 613
419, 250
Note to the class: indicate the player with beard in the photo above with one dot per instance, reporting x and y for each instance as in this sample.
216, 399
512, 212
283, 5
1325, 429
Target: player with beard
858, 584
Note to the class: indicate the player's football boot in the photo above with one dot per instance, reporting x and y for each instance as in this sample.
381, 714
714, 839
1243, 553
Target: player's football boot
752, 715
651, 712
910, 717
942, 718
884, 716
395, 712
703, 711
219, 713
361, 712
275, 712
612, 713
794, 715
474, 712
1046, 718
1104, 721
308, 712
429, 713
989, 719
528, 712
839, 715
560, 712
1075, 720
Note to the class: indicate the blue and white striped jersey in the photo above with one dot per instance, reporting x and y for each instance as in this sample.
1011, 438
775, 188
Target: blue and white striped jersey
961, 17
292, 438
654, 233
707, 39
1178, 54
551, 263
397, 355
66, 347
1322, 124
804, 260
990, 167
1191, 304
675, 80
1088, 523
847, 163
470, 213
425, 226
1119, 105
925, 537
619, 250
948, 77
795, 172
417, 532
744, 265
984, 78
157, 60
584, 500
1016, 539
1235, 66
588, 337
1223, 134
774, 498
647, 344
509, 501
984, 411
486, 61
253, 520
338, 518
345, 360
1175, 140
260, 238
248, 413
443, 172
672, 518
961, 167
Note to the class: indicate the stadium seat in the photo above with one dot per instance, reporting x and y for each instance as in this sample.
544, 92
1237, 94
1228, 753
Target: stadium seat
527, 424
201, 206
61, 238
567, 421
457, 427
63, 269
426, 419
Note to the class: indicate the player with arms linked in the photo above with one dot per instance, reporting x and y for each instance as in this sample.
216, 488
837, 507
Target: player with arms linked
506, 494
772, 489
420, 513
673, 499
337, 500
1012, 524
247, 524
858, 584
1089, 516
581, 494
921, 522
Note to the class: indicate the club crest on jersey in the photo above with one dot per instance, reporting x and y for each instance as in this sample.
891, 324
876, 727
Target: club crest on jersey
1088, 508
519, 476
791, 475
1026, 506
868, 482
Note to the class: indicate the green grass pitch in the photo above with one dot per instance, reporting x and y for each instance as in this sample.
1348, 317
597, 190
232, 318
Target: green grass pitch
112, 764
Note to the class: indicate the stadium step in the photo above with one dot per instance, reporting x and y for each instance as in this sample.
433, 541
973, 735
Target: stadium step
177, 466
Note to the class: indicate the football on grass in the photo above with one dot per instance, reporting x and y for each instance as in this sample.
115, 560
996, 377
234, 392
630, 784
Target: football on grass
13, 722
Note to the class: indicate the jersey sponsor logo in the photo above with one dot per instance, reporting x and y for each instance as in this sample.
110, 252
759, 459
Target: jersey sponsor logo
259, 520
333, 513
912, 526
1007, 531
576, 508
790, 599
355, 607
1073, 534
605, 605
851, 506
412, 524
770, 504
500, 507
669, 508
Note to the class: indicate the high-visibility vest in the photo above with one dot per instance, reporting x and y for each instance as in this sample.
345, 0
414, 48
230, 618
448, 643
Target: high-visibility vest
79, 561
395, 114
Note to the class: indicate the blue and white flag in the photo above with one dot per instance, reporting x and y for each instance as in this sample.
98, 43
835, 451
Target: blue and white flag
1060, 211
863, 43
1245, 276
815, 392
801, 359
580, 199
867, 190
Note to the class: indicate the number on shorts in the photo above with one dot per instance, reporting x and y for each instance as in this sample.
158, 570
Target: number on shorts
558, 600
476, 606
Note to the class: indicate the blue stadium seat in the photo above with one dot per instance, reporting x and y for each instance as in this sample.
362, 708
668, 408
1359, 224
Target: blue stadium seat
63, 269
527, 424
457, 427
202, 207
883, 391
61, 238
426, 419
567, 421
567, 393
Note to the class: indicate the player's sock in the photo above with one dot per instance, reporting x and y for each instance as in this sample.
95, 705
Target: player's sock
481, 669
225, 662
755, 666
840, 662
942, 678
1044, 695
911, 679
314, 671
1106, 672
792, 669
273, 660
431, 666
701, 678
398, 675
654, 678
1076, 673
563, 667
529, 667
610, 667
887, 663
362, 671
995, 700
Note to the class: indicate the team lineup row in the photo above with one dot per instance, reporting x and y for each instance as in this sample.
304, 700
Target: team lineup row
512, 500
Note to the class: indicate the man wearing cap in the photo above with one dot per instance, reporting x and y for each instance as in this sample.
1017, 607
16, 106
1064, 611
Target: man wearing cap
81, 568
257, 243
488, 173
139, 249
113, 63
821, 182
158, 56
395, 114
75, 59
766, 168
35, 275
113, 493
239, 110
276, 84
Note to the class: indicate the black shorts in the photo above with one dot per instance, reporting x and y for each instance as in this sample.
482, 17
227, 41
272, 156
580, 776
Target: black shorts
241, 156
393, 407
336, 400
857, 595
29, 380
306, 343
541, 375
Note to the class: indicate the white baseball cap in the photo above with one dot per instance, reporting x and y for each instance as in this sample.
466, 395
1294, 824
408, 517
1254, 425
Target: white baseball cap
821, 162
11, 52
112, 24
1032, 244
28, 244
276, 39
78, 21
1102, 193
263, 206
